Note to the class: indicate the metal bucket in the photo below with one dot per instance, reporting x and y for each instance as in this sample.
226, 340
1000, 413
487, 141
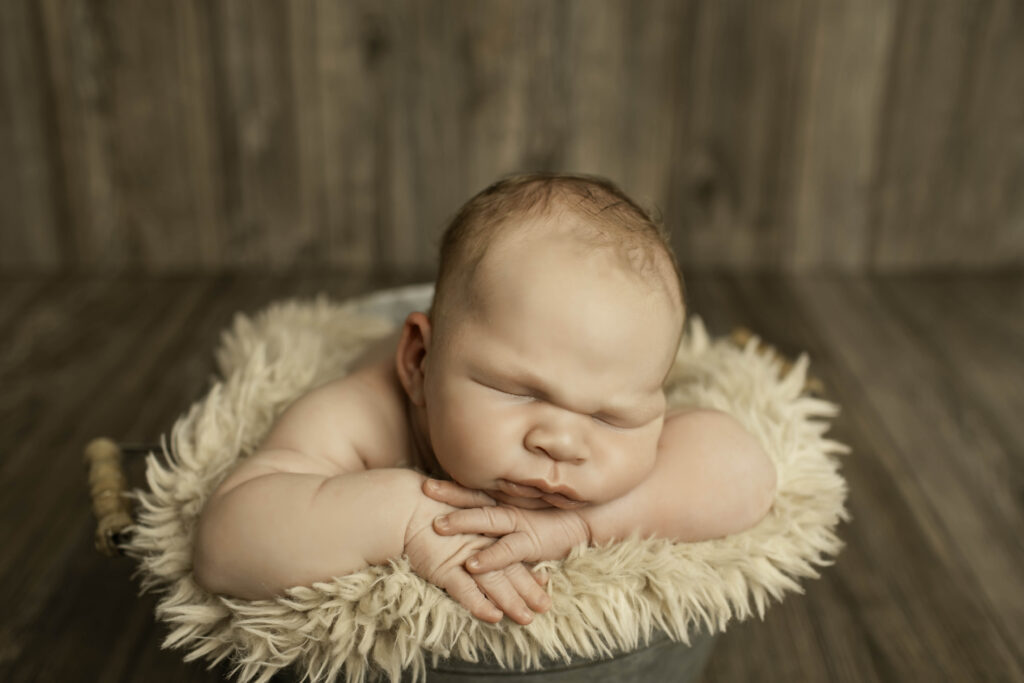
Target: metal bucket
660, 661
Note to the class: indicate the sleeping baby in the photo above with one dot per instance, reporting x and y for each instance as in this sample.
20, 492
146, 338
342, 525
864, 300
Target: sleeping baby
522, 416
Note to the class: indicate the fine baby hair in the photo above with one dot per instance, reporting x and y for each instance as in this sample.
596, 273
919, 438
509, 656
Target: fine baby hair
610, 220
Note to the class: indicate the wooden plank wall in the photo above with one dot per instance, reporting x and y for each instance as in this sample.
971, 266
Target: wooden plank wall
792, 134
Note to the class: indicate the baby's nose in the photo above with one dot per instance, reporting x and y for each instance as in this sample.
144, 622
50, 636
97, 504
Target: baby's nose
558, 442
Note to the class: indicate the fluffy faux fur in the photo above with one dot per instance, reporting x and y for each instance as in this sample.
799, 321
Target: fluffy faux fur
387, 619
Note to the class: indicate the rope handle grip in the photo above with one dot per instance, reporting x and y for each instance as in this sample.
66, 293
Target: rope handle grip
104, 460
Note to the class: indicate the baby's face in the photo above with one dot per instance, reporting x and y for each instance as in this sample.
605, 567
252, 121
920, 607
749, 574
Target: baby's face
550, 393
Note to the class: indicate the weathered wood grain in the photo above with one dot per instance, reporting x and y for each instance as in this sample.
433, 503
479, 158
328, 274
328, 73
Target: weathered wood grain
259, 128
157, 135
80, 361
896, 606
828, 223
30, 216
139, 399
79, 75
953, 85
19, 295
733, 152
785, 135
336, 51
912, 403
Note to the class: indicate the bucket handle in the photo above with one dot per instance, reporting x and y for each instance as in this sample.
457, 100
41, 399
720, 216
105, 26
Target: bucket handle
104, 460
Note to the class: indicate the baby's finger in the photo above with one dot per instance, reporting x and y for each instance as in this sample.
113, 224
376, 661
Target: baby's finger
453, 494
539, 575
503, 593
492, 521
465, 590
509, 549
529, 588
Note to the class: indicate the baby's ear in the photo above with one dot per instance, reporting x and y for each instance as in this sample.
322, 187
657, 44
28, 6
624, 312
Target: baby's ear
411, 356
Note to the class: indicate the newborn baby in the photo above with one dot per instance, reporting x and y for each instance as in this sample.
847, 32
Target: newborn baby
522, 417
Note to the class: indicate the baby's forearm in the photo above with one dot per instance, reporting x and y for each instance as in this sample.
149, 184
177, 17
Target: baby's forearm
281, 529
617, 520
645, 516
711, 479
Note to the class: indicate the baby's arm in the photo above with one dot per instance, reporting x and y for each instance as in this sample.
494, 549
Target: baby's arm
711, 479
281, 521
305, 509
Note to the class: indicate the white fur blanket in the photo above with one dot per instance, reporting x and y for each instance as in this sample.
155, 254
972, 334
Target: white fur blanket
387, 619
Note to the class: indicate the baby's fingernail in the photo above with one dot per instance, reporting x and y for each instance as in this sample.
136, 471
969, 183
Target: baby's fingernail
472, 563
432, 484
441, 522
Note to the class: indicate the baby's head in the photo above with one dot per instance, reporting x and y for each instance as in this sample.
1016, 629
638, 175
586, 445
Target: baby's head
537, 374
589, 211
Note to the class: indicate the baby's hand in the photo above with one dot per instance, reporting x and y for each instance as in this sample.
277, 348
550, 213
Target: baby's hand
526, 535
488, 595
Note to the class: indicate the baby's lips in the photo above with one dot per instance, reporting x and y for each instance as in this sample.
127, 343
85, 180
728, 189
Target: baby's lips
561, 502
520, 490
519, 501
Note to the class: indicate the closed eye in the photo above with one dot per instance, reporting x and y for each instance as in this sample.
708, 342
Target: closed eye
624, 422
506, 392
609, 421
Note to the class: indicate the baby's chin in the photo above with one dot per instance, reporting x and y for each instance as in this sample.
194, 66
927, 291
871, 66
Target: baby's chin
547, 501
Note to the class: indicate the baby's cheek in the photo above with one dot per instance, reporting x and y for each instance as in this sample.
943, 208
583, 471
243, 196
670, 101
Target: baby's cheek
453, 445
465, 445
635, 459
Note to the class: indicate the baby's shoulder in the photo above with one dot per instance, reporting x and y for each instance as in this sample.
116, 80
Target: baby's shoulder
362, 412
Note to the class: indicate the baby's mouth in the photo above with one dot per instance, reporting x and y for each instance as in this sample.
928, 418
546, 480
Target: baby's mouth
531, 497
519, 501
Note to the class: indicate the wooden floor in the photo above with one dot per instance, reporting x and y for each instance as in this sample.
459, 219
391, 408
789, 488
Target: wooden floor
929, 372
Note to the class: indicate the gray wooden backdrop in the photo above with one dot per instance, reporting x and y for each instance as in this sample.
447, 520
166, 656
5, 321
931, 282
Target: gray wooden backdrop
785, 134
